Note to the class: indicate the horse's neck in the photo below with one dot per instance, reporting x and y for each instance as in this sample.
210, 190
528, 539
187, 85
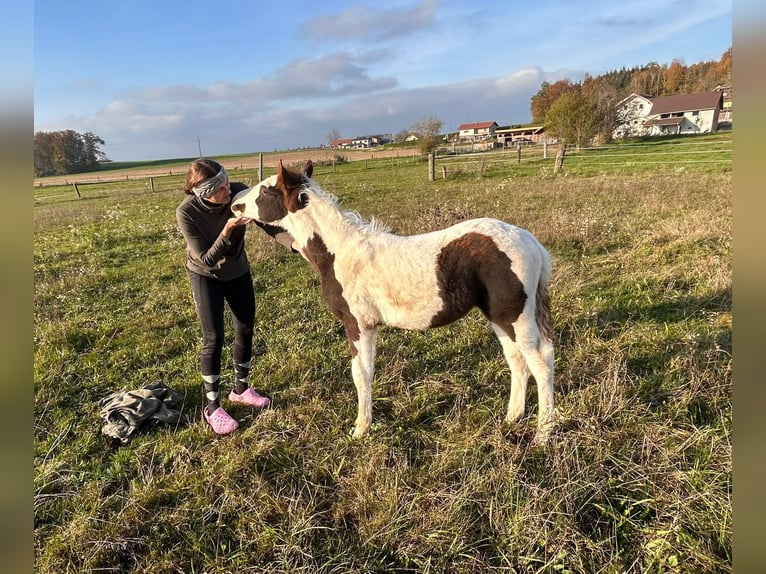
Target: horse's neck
329, 223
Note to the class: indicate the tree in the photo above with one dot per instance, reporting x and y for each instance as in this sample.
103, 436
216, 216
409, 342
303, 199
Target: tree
332, 136
675, 78
401, 136
427, 129
649, 81
64, 152
604, 96
573, 118
545, 96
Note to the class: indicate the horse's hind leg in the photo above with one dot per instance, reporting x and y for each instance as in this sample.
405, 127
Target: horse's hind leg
530, 353
519, 374
538, 352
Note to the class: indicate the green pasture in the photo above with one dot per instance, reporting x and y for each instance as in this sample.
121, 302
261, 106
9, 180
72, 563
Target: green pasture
636, 478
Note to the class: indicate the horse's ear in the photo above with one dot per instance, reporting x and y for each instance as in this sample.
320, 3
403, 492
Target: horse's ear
287, 178
309, 169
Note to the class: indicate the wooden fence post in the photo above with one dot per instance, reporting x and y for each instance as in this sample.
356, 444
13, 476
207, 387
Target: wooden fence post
545, 150
444, 172
76, 190
560, 159
260, 167
518, 153
151, 183
431, 167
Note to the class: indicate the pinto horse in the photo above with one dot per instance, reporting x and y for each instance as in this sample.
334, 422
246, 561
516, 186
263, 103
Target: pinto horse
371, 277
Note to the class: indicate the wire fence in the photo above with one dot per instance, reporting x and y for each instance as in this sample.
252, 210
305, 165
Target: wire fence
615, 158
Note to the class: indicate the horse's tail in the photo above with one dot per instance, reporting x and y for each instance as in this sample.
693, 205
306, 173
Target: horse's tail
543, 307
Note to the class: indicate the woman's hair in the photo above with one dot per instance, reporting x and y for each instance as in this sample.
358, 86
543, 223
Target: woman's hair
199, 171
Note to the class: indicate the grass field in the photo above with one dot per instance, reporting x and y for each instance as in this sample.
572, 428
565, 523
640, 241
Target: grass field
636, 478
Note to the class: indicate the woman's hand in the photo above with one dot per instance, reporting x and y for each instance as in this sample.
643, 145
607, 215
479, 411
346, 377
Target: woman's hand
233, 222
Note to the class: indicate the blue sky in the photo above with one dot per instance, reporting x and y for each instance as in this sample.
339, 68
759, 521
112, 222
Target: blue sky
151, 77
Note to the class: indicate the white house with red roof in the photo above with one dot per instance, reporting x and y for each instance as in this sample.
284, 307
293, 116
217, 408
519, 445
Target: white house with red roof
477, 131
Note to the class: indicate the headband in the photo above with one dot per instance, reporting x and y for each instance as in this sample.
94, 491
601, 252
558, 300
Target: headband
209, 186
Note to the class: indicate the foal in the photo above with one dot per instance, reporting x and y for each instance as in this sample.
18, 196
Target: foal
370, 277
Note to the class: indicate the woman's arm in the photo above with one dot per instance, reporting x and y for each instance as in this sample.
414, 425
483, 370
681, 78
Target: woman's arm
199, 247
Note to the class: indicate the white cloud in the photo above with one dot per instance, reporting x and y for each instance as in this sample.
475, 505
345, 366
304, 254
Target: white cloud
371, 22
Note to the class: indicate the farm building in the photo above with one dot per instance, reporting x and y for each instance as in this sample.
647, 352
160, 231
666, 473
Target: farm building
362, 142
664, 115
507, 135
342, 143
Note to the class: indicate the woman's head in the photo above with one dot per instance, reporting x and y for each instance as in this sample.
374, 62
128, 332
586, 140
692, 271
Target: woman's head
205, 177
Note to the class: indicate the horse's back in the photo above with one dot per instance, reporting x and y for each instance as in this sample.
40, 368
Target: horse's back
435, 278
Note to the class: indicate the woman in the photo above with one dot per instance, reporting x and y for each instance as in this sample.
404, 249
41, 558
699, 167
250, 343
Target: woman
219, 272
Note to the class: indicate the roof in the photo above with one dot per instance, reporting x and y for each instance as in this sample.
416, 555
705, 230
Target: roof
476, 126
686, 103
334, 143
524, 130
632, 96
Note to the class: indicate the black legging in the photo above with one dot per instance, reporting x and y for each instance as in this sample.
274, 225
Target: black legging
209, 296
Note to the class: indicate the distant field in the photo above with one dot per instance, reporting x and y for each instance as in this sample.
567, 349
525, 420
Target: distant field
637, 477
245, 161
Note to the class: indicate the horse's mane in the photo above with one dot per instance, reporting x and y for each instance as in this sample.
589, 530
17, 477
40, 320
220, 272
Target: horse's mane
350, 222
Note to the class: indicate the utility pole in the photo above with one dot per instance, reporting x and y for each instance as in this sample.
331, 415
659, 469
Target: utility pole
199, 147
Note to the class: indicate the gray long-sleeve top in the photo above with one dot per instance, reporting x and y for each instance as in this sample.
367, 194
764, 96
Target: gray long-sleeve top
208, 252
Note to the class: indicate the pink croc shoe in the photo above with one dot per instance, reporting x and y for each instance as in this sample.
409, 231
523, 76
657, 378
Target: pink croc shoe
221, 421
250, 397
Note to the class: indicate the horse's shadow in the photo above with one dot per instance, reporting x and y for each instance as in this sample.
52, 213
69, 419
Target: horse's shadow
647, 370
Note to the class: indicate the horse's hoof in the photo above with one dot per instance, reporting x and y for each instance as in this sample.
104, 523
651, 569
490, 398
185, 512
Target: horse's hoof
541, 438
512, 419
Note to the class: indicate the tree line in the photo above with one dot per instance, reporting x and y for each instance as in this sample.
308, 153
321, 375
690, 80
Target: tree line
581, 112
65, 152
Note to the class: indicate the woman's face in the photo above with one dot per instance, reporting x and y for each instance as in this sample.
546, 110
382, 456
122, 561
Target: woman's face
221, 195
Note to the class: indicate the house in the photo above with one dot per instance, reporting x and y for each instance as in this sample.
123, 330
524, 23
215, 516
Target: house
632, 112
664, 115
342, 143
362, 142
411, 138
510, 135
477, 131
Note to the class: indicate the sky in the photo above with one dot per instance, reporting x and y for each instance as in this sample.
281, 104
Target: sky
159, 80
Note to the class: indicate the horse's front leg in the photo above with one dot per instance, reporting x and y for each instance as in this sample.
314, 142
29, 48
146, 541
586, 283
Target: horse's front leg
362, 369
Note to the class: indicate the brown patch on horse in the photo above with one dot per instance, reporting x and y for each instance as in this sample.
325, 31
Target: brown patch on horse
290, 182
271, 205
332, 291
472, 271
